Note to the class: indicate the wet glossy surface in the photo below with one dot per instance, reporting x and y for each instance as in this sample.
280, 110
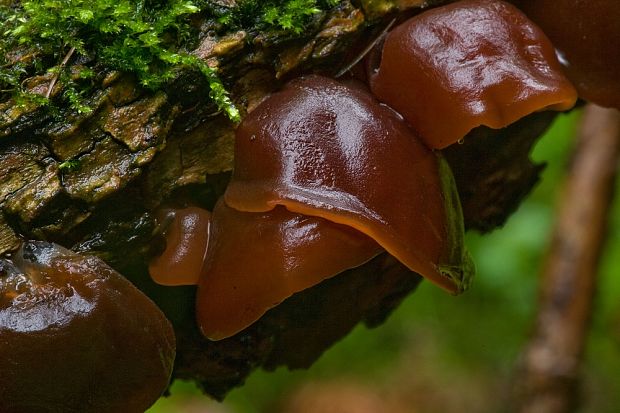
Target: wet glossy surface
470, 63
322, 148
256, 260
75, 336
187, 235
587, 36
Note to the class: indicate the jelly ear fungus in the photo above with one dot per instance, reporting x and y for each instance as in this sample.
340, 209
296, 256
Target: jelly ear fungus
587, 37
466, 64
315, 160
321, 156
75, 336
256, 260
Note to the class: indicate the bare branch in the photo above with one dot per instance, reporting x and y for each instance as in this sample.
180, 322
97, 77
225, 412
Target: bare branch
549, 375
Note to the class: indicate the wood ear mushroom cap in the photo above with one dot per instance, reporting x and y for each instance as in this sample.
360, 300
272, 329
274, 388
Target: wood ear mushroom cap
75, 336
324, 149
186, 243
466, 64
587, 36
256, 260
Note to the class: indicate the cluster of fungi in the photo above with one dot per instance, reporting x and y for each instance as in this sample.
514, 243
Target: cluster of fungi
328, 174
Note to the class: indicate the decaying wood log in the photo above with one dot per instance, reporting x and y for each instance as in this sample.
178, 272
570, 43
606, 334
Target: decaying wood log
139, 150
550, 371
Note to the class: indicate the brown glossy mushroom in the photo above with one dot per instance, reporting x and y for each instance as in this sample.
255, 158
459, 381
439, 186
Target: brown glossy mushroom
325, 149
75, 336
469, 63
256, 260
587, 36
187, 234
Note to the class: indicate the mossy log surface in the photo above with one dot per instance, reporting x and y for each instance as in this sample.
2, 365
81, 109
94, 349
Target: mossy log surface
140, 150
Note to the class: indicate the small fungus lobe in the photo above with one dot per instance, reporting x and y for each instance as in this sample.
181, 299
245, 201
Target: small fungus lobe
187, 236
258, 259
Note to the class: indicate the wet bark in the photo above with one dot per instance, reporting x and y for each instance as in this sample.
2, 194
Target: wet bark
140, 150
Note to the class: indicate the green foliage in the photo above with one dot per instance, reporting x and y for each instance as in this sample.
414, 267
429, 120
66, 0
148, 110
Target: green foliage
143, 37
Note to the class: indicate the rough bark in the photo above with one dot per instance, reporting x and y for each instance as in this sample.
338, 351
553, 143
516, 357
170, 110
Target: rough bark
139, 150
551, 365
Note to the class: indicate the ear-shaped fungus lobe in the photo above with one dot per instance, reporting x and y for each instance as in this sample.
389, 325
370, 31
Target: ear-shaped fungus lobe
187, 236
587, 36
75, 336
258, 259
470, 63
325, 149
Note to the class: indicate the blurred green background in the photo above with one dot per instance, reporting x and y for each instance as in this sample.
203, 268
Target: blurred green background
438, 353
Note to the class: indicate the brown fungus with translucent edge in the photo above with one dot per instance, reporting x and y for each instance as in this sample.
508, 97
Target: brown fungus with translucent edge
466, 64
76, 336
327, 149
187, 233
587, 36
256, 260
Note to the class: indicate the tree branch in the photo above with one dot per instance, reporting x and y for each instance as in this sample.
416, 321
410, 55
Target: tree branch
549, 374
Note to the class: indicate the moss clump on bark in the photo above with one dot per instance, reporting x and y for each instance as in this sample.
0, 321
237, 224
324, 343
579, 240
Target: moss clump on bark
149, 39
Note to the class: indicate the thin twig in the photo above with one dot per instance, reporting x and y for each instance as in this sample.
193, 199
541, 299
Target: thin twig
549, 375
366, 50
57, 74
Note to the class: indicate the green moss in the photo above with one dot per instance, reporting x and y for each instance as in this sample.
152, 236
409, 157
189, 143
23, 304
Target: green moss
289, 16
144, 37
70, 165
